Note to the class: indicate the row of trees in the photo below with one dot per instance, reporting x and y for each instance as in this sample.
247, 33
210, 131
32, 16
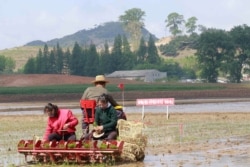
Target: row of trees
225, 52
219, 52
87, 61
177, 25
133, 21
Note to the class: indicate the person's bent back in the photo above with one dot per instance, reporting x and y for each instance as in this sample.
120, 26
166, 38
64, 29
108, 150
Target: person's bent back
92, 93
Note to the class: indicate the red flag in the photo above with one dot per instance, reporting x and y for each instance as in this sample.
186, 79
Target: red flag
121, 86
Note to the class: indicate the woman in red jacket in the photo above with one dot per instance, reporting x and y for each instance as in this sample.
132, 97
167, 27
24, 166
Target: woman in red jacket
61, 124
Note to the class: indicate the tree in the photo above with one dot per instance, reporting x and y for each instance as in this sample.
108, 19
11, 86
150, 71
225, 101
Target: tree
105, 57
75, 62
92, 61
191, 25
190, 66
52, 68
212, 46
174, 22
129, 58
30, 66
66, 62
202, 28
142, 52
45, 60
133, 22
241, 54
116, 55
153, 56
173, 69
7, 64
10, 64
39, 62
2, 63
59, 56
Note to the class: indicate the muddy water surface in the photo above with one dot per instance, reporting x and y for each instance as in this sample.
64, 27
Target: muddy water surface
181, 108
215, 157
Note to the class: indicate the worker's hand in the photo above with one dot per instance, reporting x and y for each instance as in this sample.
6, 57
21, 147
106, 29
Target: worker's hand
98, 128
66, 126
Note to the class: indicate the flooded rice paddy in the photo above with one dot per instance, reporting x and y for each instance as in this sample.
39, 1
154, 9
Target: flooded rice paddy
229, 156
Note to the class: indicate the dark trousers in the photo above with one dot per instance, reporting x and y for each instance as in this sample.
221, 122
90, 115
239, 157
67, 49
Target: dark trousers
57, 137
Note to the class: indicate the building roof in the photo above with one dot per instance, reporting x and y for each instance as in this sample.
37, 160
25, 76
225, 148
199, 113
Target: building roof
132, 73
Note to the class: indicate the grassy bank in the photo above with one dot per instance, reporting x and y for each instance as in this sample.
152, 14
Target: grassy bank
59, 89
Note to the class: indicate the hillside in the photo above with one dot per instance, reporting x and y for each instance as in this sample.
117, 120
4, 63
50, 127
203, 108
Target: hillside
23, 53
98, 35
20, 54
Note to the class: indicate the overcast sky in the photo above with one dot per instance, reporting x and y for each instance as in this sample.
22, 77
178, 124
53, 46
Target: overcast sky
22, 21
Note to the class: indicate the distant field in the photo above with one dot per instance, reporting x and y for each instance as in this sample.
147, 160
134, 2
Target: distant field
33, 87
60, 89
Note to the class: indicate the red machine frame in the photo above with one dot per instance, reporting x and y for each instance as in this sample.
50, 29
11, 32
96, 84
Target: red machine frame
89, 151
88, 108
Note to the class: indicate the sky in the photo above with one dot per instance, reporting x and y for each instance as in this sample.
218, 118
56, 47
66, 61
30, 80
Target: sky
23, 21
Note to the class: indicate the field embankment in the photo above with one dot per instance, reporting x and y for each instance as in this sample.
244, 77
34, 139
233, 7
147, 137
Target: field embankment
133, 89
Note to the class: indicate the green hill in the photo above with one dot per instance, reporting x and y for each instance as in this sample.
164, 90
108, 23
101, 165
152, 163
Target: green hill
20, 54
98, 35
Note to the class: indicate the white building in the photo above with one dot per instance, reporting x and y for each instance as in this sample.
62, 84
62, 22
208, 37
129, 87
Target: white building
144, 75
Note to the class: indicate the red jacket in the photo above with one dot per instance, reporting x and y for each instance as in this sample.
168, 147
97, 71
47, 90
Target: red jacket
55, 124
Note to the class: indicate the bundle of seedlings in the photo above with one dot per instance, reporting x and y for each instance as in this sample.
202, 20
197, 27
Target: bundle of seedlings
134, 140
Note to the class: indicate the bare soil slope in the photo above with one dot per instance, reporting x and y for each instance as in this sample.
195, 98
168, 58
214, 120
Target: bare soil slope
23, 80
26, 80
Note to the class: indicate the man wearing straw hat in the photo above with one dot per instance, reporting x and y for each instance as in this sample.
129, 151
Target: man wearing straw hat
92, 93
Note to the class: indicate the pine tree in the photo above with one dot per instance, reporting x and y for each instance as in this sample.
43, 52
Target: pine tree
92, 61
142, 52
59, 58
52, 62
105, 63
116, 56
128, 57
153, 57
39, 62
45, 67
30, 66
75, 61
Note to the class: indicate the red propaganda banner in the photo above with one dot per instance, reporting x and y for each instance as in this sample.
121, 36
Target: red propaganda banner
155, 102
121, 86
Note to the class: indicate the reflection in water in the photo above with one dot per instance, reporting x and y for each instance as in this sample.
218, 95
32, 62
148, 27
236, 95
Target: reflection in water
232, 155
196, 159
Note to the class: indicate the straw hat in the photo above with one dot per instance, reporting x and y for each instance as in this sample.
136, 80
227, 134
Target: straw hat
97, 135
100, 78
